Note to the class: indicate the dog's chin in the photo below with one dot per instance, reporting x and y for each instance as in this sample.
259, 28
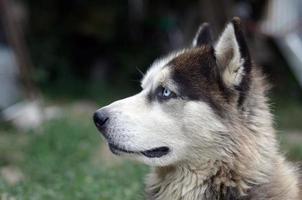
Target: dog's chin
156, 152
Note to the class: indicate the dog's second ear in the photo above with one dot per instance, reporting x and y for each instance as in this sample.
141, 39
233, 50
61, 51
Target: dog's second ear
203, 36
233, 57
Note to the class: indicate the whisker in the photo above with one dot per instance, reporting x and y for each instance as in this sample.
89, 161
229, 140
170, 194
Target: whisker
140, 71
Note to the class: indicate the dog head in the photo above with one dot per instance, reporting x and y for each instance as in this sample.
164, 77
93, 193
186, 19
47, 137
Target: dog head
186, 97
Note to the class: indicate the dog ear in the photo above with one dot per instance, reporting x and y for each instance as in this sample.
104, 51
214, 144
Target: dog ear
203, 36
233, 57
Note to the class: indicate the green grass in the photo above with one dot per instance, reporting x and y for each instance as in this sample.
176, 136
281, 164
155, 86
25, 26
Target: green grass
58, 164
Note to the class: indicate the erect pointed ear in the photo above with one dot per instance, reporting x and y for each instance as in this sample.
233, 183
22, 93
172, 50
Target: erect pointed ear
233, 57
203, 36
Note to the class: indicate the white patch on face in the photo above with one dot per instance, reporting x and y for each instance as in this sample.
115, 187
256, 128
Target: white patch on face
138, 125
187, 128
204, 130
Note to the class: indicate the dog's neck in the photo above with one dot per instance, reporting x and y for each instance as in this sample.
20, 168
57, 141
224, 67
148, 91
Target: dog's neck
228, 178
184, 183
213, 180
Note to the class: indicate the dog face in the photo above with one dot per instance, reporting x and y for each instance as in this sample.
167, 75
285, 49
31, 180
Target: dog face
179, 114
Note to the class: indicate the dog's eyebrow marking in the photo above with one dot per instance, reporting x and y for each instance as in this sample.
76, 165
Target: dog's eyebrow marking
157, 66
162, 79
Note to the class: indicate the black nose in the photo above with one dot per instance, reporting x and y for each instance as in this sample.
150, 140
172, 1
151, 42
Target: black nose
100, 119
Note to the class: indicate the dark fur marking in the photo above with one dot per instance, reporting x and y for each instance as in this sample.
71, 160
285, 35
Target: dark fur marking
214, 192
150, 97
195, 74
222, 192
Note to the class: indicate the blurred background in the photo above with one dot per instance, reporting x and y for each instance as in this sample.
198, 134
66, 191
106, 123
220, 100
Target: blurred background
62, 59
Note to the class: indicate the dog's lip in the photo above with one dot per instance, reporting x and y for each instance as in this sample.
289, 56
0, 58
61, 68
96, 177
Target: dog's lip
151, 153
156, 152
115, 149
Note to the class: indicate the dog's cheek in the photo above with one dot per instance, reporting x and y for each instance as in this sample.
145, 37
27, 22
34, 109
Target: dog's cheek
201, 123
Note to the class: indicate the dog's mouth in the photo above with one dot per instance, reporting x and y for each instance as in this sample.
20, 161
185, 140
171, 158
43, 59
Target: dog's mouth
151, 153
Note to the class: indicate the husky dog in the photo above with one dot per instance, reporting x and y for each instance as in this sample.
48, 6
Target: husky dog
203, 123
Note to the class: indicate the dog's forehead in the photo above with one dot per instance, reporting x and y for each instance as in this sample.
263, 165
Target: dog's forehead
182, 61
156, 69
195, 59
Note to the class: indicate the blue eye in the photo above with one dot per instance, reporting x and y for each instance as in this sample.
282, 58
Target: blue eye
164, 93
